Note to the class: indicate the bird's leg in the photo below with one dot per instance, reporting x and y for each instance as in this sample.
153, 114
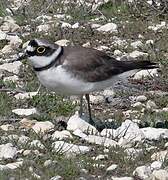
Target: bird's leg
81, 106
89, 109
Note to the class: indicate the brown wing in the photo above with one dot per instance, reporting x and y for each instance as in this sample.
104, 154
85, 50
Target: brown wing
90, 64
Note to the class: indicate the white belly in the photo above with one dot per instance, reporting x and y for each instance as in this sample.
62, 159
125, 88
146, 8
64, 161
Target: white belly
62, 82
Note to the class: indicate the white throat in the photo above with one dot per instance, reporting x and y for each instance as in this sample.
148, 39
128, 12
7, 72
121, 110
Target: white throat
42, 61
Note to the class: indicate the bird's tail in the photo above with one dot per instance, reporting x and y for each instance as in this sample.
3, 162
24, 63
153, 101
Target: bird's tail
141, 65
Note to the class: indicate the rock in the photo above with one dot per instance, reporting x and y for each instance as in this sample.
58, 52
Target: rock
108, 93
142, 172
138, 105
25, 112
101, 157
75, 26
151, 104
136, 54
149, 42
26, 123
15, 41
75, 122
37, 144
112, 167
96, 99
94, 25
60, 135
7, 49
25, 95
158, 27
9, 25
69, 149
109, 27
7, 151
63, 42
11, 67
146, 73
56, 178
156, 165
141, 98
7, 127
66, 25
117, 52
23, 140
160, 174
137, 44
160, 156
155, 133
79, 133
11, 166
43, 28
43, 127
11, 79
103, 141
122, 178
122, 43
47, 163
129, 131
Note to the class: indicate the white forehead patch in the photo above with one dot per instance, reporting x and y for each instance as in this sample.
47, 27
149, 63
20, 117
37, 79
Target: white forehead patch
30, 48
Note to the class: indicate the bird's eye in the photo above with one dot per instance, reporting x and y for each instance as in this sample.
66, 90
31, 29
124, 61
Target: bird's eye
41, 49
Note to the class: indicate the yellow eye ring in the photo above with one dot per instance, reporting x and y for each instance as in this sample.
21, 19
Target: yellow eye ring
41, 49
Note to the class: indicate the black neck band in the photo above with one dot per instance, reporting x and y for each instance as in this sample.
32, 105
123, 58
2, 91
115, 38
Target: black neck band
51, 64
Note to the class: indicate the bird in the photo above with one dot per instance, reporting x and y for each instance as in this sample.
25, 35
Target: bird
77, 70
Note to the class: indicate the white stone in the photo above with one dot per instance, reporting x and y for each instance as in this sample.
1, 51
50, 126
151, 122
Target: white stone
151, 104
42, 127
47, 163
146, 73
129, 131
75, 26
137, 44
109, 27
23, 140
108, 93
138, 105
108, 133
157, 27
96, 99
63, 42
136, 54
7, 127
56, 178
37, 144
11, 67
7, 49
122, 178
66, 25
103, 141
60, 135
117, 52
43, 28
15, 41
14, 165
141, 98
25, 95
9, 25
7, 151
25, 112
149, 42
156, 165
160, 156
79, 133
75, 122
119, 42
69, 149
155, 133
143, 172
13, 78
112, 167
160, 174
94, 25
101, 157
3, 35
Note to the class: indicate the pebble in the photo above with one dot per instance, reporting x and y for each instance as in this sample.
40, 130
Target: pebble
7, 127
156, 165
141, 98
109, 27
160, 156
25, 112
160, 174
136, 54
145, 73
142, 172
112, 167
63, 42
43, 127
11, 67
7, 151
60, 135
137, 44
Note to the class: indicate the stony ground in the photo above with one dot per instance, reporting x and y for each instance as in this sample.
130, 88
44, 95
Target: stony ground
41, 134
